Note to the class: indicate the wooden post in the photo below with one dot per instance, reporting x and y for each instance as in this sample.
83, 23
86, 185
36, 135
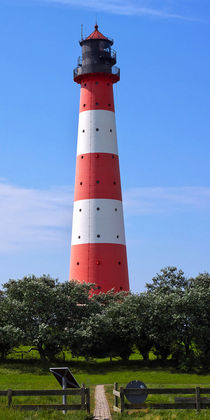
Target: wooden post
115, 397
88, 400
122, 401
83, 397
197, 398
9, 395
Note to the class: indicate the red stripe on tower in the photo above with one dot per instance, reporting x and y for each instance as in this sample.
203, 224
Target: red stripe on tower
98, 250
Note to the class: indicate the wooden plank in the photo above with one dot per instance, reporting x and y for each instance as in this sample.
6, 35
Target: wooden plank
191, 400
205, 400
48, 407
37, 392
204, 390
183, 400
115, 395
122, 400
9, 395
205, 406
165, 406
116, 409
3, 393
87, 392
172, 406
83, 397
197, 398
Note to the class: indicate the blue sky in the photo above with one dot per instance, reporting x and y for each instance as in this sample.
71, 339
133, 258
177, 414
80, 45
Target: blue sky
162, 111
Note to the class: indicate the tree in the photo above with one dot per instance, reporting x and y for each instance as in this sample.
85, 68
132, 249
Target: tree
169, 280
10, 336
44, 310
171, 329
199, 302
108, 332
141, 306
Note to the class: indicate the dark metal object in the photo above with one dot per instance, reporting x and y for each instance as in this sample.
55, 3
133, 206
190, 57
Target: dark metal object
136, 398
78, 71
65, 379
64, 374
97, 57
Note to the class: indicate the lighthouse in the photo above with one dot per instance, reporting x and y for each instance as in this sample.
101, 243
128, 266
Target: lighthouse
98, 248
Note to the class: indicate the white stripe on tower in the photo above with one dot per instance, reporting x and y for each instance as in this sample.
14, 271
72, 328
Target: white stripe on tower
97, 132
105, 222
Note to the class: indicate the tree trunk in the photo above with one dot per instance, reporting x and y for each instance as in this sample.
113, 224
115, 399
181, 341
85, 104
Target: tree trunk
41, 353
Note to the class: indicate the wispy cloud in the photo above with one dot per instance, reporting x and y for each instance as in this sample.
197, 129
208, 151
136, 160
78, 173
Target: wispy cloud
36, 219
172, 199
167, 9
32, 218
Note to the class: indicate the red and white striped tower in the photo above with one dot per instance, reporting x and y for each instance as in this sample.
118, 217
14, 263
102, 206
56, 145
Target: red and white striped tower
98, 250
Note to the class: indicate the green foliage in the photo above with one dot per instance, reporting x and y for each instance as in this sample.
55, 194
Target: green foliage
9, 338
172, 319
45, 311
10, 335
108, 332
169, 280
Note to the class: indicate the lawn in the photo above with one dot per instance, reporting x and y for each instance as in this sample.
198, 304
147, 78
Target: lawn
33, 374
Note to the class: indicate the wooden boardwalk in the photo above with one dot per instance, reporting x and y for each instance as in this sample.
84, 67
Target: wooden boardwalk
101, 411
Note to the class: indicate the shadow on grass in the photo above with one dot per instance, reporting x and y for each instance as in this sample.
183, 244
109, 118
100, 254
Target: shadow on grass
93, 366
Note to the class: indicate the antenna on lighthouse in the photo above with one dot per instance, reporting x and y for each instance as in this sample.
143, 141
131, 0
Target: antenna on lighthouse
82, 32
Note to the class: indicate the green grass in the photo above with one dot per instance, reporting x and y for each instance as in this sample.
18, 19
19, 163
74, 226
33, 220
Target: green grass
163, 415
11, 414
33, 374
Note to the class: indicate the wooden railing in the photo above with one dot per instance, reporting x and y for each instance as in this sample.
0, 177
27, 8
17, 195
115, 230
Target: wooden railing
195, 401
83, 392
